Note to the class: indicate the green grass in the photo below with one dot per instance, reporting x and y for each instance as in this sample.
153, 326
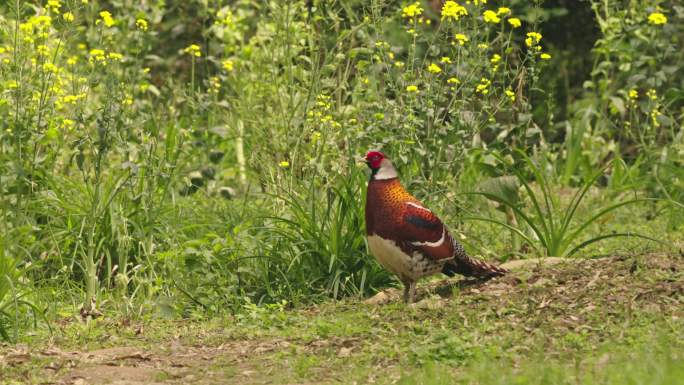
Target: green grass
604, 321
549, 225
652, 363
178, 178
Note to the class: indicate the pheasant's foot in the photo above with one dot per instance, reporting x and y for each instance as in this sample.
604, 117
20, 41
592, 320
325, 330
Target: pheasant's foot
412, 292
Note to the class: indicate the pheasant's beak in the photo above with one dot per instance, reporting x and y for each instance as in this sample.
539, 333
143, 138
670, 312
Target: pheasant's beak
361, 159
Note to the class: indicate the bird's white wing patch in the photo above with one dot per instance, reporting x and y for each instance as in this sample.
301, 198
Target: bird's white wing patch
432, 244
417, 206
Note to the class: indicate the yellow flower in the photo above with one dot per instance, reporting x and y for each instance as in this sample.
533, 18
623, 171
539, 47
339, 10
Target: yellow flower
97, 55
533, 38
72, 99
227, 65
54, 5
26, 28
284, 164
193, 50
453, 81
412, 10
452, 10
115, 56
495, 58
654, 118
42, 21
545, 56
477, 2
49, 67
483, 46
652, 94
461, 38
434, 68
42, 50
510, 94
72, 60
483, 87
490, 16
445, 60
657, 18
35, 25
503, 11
411, 88
68, 17
633, 94
106, 18
514, 22
225, 16
141, 24
215, 84
67, 124
399, 64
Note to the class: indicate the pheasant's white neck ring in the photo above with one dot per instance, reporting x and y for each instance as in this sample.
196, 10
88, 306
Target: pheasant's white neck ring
386, 171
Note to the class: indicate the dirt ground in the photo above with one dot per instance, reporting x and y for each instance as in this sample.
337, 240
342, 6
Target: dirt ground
569, 286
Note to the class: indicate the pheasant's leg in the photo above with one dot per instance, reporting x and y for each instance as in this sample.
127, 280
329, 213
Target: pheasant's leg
407, 287
412, 292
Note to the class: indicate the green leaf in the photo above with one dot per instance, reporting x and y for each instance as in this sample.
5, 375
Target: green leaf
52, 133
505, 187
618, 104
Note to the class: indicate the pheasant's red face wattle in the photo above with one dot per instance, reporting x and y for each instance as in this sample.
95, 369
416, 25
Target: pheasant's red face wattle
374, 158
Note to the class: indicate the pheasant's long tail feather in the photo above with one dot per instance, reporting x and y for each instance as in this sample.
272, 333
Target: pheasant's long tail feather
471, 267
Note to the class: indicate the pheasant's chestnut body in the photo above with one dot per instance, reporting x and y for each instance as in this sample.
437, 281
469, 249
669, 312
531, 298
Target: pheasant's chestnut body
407, 238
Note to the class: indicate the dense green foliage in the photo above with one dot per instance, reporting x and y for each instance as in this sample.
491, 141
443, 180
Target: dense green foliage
188, 158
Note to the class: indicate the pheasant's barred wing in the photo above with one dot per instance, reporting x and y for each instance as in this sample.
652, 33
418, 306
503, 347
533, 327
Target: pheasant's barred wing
422, 230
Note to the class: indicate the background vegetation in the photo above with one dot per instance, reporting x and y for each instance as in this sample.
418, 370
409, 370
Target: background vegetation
192, 159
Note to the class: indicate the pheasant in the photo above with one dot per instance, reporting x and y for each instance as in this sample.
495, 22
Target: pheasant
406, 237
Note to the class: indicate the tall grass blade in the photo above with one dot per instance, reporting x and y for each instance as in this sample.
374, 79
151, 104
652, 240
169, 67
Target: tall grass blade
602, 237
